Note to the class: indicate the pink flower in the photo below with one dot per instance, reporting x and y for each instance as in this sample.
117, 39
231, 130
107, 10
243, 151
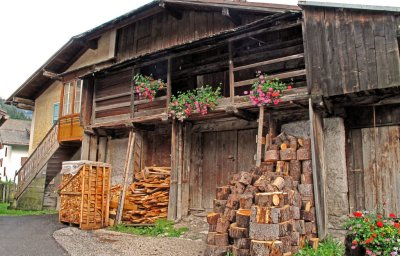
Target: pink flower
368, 252
353, 247
261, 77
246, 92
271, 89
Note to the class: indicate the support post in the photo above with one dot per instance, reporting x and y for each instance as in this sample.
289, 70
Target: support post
260, 136
172, 214
169, 85
317, 153
127, 168
231, 75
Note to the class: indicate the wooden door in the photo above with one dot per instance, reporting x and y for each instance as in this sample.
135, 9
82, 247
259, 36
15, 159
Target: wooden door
224, 154
374, 169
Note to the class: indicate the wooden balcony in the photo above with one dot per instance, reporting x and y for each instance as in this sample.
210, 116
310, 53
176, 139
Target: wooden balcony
70, 129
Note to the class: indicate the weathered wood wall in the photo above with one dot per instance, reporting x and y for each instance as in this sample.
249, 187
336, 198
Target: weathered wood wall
374, 169
350, 51
162, 30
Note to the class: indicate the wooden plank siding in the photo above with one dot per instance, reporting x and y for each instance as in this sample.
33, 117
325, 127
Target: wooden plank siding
215, 157
162, 30
350, 51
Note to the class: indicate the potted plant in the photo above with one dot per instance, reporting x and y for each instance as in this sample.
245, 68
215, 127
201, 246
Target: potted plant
147, 86
373, 233
265, 91
200, 100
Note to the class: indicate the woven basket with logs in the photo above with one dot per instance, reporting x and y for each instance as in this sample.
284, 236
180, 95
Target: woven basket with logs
146, 198
269, 210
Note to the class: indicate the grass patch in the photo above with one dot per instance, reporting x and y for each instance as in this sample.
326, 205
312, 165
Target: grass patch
328, 247
162, 228
10, 212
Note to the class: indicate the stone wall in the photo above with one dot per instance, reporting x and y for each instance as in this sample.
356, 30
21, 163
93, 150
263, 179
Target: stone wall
336, 187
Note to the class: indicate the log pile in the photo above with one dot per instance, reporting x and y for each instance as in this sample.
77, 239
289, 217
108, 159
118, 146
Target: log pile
269, 210
146, 198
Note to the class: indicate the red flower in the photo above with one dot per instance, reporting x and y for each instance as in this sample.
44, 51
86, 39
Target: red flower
392, 215
369, 240
379, 224
289, 87
354, 242
357, 214
379, 216
397, 225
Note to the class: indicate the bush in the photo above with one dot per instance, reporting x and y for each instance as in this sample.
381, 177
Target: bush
379, 235
328, 247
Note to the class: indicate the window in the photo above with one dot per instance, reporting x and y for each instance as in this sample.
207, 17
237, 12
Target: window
72, 97
1, 162
56, 112
6, 151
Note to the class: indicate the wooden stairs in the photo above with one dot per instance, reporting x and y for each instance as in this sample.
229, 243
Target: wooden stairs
50, 154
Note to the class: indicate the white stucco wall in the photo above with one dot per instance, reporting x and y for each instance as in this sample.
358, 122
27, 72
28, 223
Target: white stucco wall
12, 162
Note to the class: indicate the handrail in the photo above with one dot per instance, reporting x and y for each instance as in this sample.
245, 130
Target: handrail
37, 160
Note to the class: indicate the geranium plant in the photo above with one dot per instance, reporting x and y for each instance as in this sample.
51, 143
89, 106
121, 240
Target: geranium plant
147, 86
202, 100
379, 235
265, 91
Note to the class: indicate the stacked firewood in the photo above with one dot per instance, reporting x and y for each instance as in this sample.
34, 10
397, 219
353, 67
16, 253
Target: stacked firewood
269, 210
146, 198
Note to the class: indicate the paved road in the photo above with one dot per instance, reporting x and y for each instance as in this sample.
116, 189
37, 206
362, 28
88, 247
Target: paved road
29, 236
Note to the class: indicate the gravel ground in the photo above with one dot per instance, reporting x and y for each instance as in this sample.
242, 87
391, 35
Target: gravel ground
104, 242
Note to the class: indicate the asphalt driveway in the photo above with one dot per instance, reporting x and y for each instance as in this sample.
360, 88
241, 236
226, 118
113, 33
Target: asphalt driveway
29, 235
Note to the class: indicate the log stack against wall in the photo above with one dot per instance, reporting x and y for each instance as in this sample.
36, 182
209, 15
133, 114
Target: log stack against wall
146, 198
269, 210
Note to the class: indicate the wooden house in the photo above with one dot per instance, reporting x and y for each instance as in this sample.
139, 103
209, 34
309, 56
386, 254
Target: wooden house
343, 63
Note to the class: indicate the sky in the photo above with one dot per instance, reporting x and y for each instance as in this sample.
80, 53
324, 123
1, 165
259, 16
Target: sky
32, 31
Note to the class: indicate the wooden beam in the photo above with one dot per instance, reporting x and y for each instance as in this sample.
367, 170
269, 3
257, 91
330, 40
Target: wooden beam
127, 168
318, 166
173, 11
267, 62
51, 75
241, 113
24, 101
172, 210
231, 75
285, 75
24, 106
169, 81
260, 136
232, 15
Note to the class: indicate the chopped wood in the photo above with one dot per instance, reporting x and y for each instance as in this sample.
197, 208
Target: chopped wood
240, 252
212, 218
266, 232
246, 201
238, 232
211, 238
147, 198
288, 154
223, 192
233, 201
230, 214
267, 167
219, 206
221, 239
279, 183
295, 169
243, 218
213, 250
242, 243
282, 167
222, 225
306, 166
303, 154
271, 199
307, 178
270, 248
245, 178
271, 156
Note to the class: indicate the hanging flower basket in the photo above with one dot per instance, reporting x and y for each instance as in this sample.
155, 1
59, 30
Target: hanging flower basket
201, 100
265, 91
147, 86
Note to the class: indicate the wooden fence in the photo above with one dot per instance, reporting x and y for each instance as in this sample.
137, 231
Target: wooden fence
6, 192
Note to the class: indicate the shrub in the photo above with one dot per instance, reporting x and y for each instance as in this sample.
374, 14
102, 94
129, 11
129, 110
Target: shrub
379, 235
162, 227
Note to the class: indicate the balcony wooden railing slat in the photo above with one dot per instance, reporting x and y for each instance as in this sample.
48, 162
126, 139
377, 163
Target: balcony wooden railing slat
37, 160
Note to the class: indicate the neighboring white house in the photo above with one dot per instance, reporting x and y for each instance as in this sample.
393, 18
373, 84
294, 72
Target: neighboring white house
14, 145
